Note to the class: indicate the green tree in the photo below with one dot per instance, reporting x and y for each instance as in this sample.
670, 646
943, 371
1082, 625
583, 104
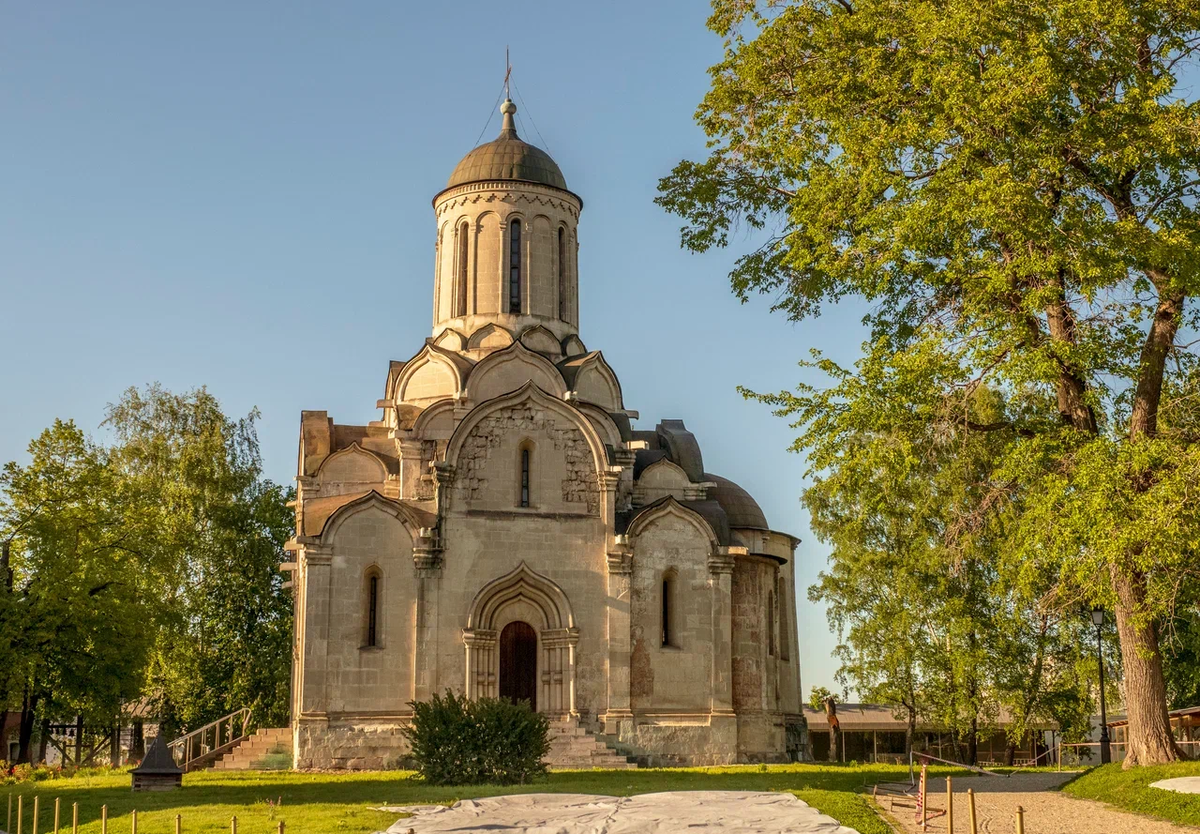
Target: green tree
219, 529
75, 607
1011, 189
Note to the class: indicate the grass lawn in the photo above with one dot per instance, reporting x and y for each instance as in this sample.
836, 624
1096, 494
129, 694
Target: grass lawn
315, 803
1130, 789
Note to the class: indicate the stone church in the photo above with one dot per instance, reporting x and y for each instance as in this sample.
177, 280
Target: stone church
505, 530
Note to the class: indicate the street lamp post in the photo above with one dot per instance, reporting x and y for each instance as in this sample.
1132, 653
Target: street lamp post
1105, 749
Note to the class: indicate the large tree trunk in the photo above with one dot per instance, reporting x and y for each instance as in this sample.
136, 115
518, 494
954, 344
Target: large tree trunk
25, 731
1150, 740
910, 730
973, 742
43, 739
1149, 737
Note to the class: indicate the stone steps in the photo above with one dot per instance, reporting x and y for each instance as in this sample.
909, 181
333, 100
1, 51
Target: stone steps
253, 750
572, 747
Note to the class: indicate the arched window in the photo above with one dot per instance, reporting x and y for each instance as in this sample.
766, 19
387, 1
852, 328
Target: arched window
771, 623
670, 636
371, 610
460, 284
562, 273
525, 474
514, 267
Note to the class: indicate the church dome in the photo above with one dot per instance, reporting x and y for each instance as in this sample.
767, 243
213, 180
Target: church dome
743, 511
508, 157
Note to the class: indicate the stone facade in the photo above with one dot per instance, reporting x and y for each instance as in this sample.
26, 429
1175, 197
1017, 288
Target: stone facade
504, 529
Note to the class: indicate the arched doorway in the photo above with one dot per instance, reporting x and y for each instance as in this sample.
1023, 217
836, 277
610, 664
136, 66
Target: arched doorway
518, 662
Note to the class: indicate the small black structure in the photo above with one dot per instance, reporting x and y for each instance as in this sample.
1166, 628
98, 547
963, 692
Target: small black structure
158, 771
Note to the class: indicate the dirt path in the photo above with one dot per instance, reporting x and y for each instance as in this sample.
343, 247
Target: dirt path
1046, 811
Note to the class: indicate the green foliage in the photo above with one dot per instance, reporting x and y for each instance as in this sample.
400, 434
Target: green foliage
144, 567
78, 599
457, 741
818, 696
1181, 653
1011, 191
219, 530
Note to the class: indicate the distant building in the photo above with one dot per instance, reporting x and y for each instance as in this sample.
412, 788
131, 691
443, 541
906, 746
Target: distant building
873, 733
504, 530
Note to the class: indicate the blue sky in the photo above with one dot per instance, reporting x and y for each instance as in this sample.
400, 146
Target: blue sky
238, 195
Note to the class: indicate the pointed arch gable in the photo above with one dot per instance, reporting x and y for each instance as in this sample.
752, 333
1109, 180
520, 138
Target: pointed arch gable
595, 381
573, 346
435, 421
451, 339
371, 501
529, 392
522, 583
666, 508
433, 373
490, 336
353, 465
507, 370
603, 423
539, 338
663, 474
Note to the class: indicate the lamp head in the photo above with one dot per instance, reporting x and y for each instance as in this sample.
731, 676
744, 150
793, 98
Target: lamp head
1098, 616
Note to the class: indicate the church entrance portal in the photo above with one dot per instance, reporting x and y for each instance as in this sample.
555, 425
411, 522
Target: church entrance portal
518, 663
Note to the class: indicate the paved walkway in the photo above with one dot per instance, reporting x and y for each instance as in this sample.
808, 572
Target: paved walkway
1046, 811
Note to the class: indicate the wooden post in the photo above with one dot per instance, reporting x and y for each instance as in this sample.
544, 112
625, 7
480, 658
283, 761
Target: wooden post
103, 819
281, 827
971, 810
1020, 820
924, 806
133, 821
178, 823
233, 825
949, 805
56, 803
8, 825
74, 818
36, 807
20, 811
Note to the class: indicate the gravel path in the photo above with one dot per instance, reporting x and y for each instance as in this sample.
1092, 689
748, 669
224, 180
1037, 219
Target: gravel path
1046, 811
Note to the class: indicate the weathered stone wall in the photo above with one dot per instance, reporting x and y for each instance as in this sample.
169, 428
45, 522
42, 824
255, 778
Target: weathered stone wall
678, 744
674, 678
361, 678
364, 744
562, 471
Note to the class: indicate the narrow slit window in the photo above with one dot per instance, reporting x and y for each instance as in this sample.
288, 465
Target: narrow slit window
669, 636
562, 273
373, 610
771, 623
514, 267
525, 477
784, 627
460, 300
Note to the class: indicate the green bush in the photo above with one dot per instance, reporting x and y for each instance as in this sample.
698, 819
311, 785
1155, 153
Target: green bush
456, 741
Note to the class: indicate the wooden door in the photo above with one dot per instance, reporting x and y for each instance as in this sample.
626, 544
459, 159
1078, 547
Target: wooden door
518, 663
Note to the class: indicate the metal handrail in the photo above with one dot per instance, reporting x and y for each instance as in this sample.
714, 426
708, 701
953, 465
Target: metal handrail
205, 743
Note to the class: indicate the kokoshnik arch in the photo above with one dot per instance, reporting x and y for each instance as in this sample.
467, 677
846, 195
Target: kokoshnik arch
503, 530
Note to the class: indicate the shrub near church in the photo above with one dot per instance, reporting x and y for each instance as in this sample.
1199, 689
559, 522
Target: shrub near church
456, 741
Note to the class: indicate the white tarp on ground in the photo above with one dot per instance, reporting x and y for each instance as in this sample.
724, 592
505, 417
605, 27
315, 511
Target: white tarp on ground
698, 812
1180, 784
